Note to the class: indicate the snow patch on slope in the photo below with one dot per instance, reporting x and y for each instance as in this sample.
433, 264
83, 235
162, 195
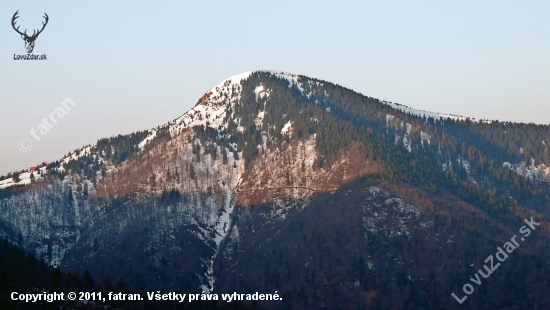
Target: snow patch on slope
80, 153
424, 136
291, 78
151, 136
261, 92
287, 128
539, 173
260, 119
390, 216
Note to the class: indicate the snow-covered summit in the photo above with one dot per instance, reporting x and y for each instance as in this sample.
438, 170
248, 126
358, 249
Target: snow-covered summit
210, 110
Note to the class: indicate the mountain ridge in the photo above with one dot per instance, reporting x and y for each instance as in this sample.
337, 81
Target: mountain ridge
527, 169
228, 188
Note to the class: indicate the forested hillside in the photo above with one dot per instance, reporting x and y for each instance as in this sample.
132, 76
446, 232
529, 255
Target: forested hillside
279, 182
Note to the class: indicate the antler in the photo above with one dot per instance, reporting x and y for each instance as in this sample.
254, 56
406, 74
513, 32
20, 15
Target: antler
43, 26
13, 24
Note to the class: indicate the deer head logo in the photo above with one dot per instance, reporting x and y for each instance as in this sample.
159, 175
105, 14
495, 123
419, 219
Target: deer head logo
29, 40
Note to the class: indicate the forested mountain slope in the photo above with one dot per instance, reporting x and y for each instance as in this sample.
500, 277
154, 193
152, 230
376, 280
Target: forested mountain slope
280, 182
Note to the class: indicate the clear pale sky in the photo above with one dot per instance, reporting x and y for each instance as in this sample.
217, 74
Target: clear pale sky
131, 66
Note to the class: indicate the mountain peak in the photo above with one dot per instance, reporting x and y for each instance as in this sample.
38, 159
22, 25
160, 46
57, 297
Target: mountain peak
275, 181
